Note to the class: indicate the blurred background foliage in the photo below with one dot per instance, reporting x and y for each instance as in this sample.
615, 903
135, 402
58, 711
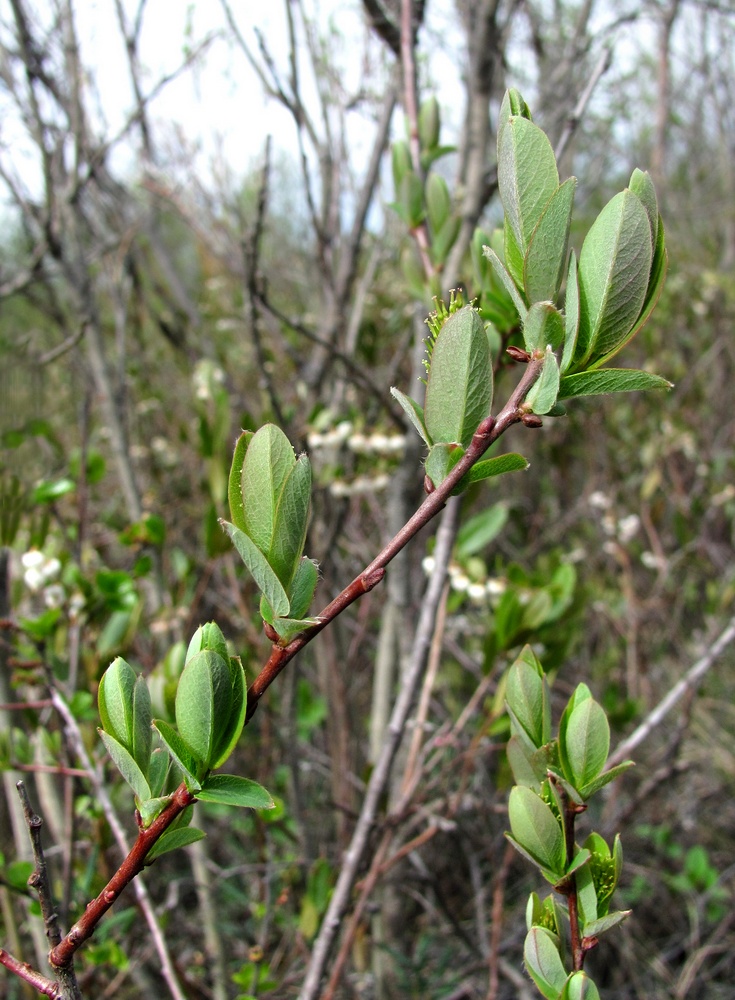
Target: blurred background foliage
145, 320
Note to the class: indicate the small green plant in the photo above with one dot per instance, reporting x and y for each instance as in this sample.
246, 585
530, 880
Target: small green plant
555, 778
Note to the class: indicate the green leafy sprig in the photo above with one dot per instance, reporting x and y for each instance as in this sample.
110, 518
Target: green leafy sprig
555, 777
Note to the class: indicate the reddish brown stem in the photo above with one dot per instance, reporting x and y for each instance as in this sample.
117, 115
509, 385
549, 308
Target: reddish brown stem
578, 947
46, 987
133, 864
486, 434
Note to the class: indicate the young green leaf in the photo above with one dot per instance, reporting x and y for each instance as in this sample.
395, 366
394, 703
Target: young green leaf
536, 829
614, 268
655, 287
438, 202
586, 897
512, 255
414, 412
289, 628
604, 779
527, 695
401, 163
579, 987
527, 176
546, 256
606, 922
512, 104
301, 591
232, 790
543, 327
158, 771
490, 467
290, 521
642, 186
585, 743
571, 314
228, 732
126, 765
443, 240
266, 467
182, 755
441, 460
142, 732
522, 764
543, 962
506, 278
204, 704
459, 388
115, 701
429, 124
234, 484
605, 380
542, 395
150, 809
268, 583
207, 636
481, 529
172, 840
411, 200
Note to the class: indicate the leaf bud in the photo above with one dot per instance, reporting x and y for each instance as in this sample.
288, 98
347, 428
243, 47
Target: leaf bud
429, 124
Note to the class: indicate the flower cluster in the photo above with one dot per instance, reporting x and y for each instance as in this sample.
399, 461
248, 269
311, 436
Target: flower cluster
478, 591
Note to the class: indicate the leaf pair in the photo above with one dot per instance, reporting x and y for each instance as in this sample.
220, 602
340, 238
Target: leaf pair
538, 210
210, 706
269, 494
578, 756
541, 956
125, 710
620, 275
459, 394
610, 292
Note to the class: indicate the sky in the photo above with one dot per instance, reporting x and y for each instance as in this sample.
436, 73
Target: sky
218, 104
215, 116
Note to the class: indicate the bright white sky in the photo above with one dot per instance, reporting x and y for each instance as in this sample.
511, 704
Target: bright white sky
216, 111
218, 105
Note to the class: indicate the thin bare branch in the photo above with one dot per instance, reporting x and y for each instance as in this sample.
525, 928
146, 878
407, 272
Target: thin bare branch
381, 772
688, 682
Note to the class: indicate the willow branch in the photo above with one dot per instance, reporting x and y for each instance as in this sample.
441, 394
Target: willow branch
486, 434
132, 865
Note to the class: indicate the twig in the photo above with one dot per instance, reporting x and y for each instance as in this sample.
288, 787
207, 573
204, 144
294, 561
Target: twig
379, 778
131, 867
46, 987
39, 881
570, 126
496, 922
251, 257
141, 892
425, 697
690, 680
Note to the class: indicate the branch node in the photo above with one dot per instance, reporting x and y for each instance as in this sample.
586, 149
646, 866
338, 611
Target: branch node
372, 578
